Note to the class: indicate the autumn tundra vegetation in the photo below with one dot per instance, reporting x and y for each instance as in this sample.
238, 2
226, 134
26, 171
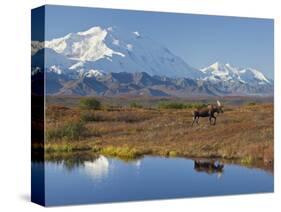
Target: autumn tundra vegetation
244, 132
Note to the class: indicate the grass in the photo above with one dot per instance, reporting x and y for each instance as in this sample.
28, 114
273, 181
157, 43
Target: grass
247, 160
173, 154
122, 152
89, 116
69, 131
179, 105
60, 147
244, 133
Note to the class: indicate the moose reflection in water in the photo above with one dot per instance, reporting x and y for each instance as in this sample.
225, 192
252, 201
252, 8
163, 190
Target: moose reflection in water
210, 167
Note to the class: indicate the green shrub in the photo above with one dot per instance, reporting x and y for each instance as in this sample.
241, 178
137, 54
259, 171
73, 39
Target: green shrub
89, 116
176, 105
135, 105
89, 104
171, 105
70, 131
251, 103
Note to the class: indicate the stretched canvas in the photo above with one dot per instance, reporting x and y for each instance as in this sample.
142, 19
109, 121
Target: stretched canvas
137, 105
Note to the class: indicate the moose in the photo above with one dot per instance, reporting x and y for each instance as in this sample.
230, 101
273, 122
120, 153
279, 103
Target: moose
208, 111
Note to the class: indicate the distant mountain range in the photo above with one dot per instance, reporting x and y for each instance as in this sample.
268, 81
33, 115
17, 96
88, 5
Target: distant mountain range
110, 62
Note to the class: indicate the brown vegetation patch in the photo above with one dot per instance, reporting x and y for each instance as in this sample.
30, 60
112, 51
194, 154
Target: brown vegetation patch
242, 132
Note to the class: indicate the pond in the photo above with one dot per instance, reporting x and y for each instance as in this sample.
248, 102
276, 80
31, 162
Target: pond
105, 179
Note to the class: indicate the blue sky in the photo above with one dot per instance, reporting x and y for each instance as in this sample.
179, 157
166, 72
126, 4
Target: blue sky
200, 40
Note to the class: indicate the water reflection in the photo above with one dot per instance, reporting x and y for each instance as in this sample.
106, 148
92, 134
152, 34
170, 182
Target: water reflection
98, 168
209, 167
137, 163
88, 178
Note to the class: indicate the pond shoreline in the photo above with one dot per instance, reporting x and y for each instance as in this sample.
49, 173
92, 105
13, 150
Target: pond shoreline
93, 154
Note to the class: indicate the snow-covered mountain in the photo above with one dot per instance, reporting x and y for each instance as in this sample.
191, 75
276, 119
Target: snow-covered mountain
111, 61
109, 50
219, 72
228, 79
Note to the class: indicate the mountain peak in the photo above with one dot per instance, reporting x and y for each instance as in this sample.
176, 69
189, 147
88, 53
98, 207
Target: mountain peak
88, 45
218, 72
114, 49
91, 31
216, 65
220, 66
251, 74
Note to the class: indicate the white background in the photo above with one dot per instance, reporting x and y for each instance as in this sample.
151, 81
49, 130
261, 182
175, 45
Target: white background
15, 103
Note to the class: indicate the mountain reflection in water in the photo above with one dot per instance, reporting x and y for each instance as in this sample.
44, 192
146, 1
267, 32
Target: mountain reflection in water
99, 168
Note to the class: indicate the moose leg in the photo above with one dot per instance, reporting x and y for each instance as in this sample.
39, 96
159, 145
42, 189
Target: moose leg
215, 120
197, 121
210, 120
194, 118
